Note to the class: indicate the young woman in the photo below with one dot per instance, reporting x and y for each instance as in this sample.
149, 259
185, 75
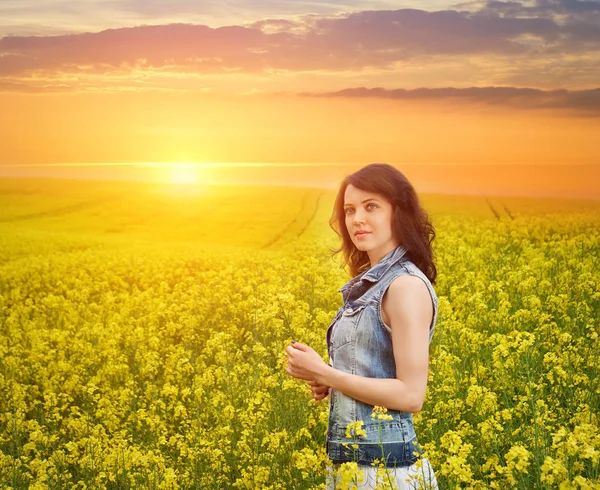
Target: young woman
378, 342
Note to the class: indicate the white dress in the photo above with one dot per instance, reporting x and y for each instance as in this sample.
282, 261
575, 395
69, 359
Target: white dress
418, 478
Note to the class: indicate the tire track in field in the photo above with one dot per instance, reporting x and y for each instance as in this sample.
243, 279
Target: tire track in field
306, 225
492, 209
508, 211
71, 208
312, 216
496, 213
289, 225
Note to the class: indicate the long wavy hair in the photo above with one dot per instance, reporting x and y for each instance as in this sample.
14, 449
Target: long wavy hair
410, 222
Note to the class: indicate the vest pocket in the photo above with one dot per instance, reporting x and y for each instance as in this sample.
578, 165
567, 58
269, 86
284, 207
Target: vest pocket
344, 331
353, 311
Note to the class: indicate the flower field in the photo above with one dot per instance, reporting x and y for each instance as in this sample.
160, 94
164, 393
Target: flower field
143, 328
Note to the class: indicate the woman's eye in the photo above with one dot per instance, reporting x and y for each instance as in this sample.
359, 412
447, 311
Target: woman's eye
351, 210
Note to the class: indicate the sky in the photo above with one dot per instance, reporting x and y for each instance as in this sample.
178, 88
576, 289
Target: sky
417, 82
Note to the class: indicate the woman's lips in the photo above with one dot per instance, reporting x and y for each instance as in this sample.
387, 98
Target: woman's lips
362, 234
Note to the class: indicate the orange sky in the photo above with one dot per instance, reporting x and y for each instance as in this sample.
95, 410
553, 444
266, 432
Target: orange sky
482, 84
162, 126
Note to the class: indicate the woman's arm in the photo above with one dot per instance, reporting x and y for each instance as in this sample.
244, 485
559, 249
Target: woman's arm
407, 305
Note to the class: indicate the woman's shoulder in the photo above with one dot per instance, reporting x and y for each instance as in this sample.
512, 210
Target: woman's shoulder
407, 295
407, 266
406, 272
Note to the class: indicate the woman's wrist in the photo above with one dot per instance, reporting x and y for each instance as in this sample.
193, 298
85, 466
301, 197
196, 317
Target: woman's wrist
329, 376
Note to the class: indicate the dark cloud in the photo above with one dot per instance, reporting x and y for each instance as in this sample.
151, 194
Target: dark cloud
363, 39
565, 6
573, 16
173, 45
539, 9
578, 102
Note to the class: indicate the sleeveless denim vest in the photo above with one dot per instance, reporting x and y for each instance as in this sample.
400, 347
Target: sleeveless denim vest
359, 342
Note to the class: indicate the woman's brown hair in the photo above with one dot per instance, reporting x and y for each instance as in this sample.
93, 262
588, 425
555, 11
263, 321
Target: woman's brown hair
410, 223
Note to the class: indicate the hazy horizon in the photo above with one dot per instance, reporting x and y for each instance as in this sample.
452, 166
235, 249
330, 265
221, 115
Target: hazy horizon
509, 179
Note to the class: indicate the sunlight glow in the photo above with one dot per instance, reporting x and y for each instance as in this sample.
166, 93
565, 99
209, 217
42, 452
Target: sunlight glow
184, 173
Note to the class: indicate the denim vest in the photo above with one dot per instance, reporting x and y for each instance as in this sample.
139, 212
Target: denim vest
359, 342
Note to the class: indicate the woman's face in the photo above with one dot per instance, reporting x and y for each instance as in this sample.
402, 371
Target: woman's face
371, 214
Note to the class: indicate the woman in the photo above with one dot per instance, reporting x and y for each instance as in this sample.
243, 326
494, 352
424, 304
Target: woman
378, 342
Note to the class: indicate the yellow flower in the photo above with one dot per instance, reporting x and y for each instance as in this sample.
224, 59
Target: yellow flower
379, 413
355, 429
348, 476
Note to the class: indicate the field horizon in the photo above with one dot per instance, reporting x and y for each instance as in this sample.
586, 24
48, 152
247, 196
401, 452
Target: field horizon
492, 179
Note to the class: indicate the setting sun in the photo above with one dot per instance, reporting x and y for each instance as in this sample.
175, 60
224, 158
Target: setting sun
183, 174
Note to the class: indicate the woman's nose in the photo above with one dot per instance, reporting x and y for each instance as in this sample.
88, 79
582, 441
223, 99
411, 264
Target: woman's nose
358, 217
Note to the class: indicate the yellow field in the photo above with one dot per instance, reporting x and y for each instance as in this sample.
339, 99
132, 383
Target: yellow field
143, 327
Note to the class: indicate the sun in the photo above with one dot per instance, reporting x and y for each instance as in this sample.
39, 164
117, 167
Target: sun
182, 173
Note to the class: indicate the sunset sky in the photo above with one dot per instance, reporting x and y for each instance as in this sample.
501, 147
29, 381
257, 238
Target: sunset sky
436, 82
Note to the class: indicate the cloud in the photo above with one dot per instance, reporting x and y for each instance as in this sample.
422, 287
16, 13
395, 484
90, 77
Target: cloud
359, 40
33, 88
174, 45
556, 42
38, 17
218, 8
578, 102
543, 7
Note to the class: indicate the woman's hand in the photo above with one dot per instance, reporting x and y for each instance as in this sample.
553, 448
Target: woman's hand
305, 363
319, 391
